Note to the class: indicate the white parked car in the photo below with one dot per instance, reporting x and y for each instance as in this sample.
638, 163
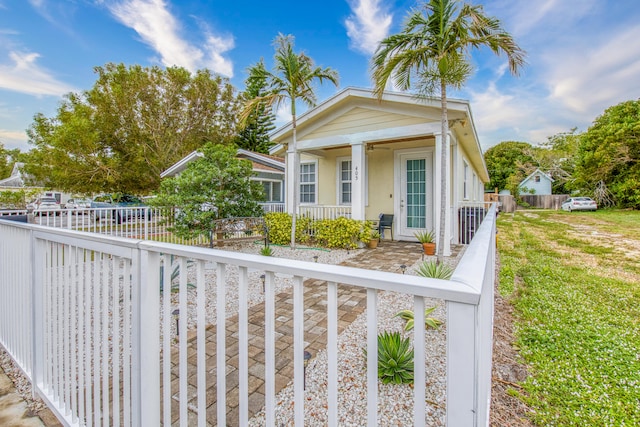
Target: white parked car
46, 206
579, 204
78, 204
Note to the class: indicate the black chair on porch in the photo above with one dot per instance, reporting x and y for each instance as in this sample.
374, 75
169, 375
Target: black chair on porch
385, 222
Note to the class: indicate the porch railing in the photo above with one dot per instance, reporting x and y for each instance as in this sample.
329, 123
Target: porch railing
273, 207
469, 217
80, 315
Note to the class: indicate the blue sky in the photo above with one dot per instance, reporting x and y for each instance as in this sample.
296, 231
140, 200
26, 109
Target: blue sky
583, 55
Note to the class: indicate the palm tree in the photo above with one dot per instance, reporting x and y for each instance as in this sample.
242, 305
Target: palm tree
433, 49
291, 80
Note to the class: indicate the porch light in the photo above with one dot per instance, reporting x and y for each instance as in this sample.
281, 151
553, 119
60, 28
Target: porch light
176, 315
307, 356
263, 278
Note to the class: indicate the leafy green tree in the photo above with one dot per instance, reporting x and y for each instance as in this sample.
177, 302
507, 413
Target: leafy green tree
133, 124
557, 158
216, 186
508, 163
433, 48
254, 134
291, 80
609, 153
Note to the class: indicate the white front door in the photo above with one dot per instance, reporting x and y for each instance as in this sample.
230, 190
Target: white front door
414, 185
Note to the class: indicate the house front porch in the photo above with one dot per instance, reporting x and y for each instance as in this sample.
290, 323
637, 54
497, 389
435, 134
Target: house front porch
385, 157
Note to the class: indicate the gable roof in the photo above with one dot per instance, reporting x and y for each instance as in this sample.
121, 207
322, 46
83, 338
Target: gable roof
260, 162
15, 179
401, 112
537, 171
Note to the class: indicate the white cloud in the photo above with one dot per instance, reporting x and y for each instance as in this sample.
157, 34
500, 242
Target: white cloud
495, 110
25, 76
368, 24
159, 29
283, 114
590, 78
11, 139
59, 14
526, 17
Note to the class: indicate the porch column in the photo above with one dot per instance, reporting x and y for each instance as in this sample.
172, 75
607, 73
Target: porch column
357, 181
290, 180
437, 196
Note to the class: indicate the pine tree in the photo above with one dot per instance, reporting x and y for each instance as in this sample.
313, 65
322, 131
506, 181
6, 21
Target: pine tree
255, 134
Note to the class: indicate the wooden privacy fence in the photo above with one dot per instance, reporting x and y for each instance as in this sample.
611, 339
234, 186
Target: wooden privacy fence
536, 201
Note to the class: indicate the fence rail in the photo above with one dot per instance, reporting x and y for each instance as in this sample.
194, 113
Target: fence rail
101, 295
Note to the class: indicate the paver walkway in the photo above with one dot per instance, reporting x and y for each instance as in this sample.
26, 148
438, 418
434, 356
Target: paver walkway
389, 256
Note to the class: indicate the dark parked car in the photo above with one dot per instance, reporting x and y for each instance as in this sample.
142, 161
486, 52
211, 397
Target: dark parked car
127, 207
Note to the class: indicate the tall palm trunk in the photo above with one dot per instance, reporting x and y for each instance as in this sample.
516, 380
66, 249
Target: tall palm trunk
296, 177
443, 170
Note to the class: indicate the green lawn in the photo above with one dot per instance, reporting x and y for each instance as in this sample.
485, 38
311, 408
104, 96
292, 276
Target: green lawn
574, 280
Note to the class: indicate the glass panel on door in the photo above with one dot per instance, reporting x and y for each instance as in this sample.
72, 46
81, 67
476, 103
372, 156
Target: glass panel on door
416, 193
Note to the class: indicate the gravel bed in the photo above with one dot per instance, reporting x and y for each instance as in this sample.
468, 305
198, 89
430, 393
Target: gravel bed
395, 402
20, 381
255, 294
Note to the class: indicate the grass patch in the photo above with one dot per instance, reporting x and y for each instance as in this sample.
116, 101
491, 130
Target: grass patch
578, 326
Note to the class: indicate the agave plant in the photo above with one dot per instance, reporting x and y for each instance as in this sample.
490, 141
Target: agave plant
434, 270
266, 251
175, 272
429, 322
395, 359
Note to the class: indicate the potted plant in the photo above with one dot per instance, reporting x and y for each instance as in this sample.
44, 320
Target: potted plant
427, 238
375, 238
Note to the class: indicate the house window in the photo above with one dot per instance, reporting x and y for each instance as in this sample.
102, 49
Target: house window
344, 182
536, 178
272, 191
475, 187
465, 181
308, 182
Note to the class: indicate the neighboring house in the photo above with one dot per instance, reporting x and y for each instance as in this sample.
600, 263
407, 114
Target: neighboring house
269, 171
16, 179
538, 183
384, 157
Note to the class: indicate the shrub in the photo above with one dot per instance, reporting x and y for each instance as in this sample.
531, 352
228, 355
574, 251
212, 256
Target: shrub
434, 270
429, 322
395, 359
427, 236
13, 199
279, 226
342, 232
266, 251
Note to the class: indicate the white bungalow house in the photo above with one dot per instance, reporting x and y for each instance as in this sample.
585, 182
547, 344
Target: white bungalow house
538, 183
383, 157
269, 171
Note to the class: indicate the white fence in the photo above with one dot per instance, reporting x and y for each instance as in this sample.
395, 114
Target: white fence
80, 314
157, 224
